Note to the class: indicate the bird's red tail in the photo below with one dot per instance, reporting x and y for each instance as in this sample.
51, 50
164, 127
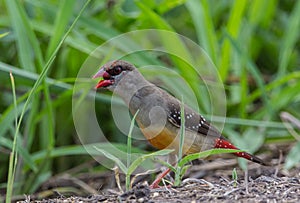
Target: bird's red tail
224, 144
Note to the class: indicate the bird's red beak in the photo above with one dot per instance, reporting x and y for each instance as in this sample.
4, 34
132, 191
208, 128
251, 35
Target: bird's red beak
107, 80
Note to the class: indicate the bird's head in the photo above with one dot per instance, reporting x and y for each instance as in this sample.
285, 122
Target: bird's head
112, 73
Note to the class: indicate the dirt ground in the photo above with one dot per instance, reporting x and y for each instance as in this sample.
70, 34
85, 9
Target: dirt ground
206, 181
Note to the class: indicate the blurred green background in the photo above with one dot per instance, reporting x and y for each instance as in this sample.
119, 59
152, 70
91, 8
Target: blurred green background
254, 45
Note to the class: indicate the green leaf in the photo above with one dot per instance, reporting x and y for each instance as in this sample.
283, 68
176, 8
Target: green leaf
22, 29
63, 17
113, 158
83, 150
293, 157
203, 154
291, 35
234, 177
253, 69
129, 138
200, 13
4, 34
142, 158
233, 27
166, 164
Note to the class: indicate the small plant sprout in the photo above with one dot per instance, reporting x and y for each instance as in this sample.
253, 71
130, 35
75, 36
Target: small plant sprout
234, 177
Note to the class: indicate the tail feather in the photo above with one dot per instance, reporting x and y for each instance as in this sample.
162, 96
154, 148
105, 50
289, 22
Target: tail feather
224, 144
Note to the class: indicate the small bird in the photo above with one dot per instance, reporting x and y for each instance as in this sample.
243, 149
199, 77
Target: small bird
159, 116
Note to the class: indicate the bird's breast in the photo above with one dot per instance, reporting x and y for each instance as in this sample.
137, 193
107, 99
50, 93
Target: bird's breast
168, 137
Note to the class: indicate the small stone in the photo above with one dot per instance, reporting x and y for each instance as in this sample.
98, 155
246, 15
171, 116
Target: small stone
141, 199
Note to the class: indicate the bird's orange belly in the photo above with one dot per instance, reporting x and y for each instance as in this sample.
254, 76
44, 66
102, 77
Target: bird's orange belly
161, 140
165, 139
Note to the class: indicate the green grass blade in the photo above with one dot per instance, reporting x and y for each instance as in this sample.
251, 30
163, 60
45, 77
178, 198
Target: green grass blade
10, 178
142, 158
129, 137
182, 130
8, 117
3, 34
182, 59
61, 22
20, 26
23, 153
127, 181
262, 12
234, 177
252, 68
57, 85
14, 153
164, 163
181, 143
293, 157
202, 19
33, 77
274, 84
291, 35
83, 150
29, 46
171, 42
249, 122
114, 159
233, 28
203, 154
6, 121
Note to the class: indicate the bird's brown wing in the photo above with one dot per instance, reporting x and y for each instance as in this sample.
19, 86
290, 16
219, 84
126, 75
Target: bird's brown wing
193, 121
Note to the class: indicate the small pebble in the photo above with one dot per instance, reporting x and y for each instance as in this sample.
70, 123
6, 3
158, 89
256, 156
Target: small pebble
141, 199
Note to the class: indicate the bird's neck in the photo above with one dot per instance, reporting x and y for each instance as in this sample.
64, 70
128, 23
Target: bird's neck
130, 84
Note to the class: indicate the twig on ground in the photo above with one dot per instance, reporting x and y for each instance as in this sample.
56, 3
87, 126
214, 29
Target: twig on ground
194, 180
165, 185
287, 118
246, 181
117, 177
141, 174
285, 193
82, 185
278, 165
27, 198
231, 191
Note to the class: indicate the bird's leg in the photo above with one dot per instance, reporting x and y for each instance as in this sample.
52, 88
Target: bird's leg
172, 159
158, 179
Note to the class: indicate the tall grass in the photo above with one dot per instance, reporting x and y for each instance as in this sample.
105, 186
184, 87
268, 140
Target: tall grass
15, 7
254, 45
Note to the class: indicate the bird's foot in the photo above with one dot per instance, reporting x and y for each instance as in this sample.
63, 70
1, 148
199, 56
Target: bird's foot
156, 182
156, 186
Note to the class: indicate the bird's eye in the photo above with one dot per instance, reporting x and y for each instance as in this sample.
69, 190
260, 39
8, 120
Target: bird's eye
117, 70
